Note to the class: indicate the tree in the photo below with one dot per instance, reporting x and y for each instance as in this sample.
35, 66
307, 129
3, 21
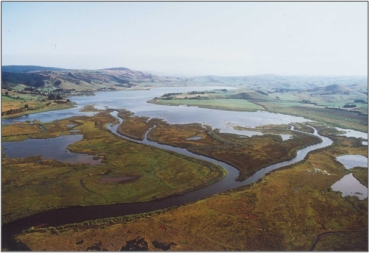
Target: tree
51, 96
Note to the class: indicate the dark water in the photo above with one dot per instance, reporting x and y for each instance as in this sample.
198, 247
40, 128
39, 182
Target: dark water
350, 186
51, 148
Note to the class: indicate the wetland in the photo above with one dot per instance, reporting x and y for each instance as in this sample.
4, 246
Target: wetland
196, 174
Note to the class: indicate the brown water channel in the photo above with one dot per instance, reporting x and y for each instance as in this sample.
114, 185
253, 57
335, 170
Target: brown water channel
79, 214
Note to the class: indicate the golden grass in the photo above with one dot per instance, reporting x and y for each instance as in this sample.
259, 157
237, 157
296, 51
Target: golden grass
34, 102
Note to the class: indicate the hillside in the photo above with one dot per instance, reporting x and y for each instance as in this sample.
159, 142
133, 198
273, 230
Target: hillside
112, 78
278, 82
331, 89
122, 77
24, 69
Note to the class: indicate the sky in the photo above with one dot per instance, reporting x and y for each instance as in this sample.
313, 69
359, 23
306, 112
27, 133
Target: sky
189, 38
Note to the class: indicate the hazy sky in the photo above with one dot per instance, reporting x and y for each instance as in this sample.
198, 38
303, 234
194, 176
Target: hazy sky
245, 38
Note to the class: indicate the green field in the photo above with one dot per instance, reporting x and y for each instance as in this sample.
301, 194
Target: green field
329, 109
35, 104
221, 104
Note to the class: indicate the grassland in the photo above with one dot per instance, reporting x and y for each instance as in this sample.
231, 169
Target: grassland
35, 184
218, 99
220, 104
324, 108
34, 103
291, 209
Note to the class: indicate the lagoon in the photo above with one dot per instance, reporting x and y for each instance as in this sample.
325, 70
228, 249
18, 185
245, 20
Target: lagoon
136, 101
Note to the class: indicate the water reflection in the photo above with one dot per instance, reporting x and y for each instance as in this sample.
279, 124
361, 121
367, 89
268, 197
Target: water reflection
52, 148
353, 133
194, 138
351, 161
350, 186
136, 101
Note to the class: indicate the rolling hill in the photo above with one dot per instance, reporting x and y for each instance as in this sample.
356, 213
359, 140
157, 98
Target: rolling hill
50, 78
122, 77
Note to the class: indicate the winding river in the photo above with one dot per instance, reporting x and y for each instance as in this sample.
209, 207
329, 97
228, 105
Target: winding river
83, 213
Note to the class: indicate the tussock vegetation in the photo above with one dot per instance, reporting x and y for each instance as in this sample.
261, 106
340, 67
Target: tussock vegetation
133, 127
289, 209
248, 155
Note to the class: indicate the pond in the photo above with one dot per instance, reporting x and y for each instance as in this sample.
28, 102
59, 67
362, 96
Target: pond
51, 148
194, 138
350, 186
353, 133
351, 161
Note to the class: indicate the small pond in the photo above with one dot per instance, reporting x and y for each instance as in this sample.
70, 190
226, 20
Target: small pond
52, 148
194, 138
353, 133
351, 161
350, 186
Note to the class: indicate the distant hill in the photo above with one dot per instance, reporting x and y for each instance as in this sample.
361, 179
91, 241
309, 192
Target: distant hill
331, 89
24, 69
273, 82
119, 68
122, 77
115, 78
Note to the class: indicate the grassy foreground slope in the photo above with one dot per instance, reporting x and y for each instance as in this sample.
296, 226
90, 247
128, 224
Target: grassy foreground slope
289, 209
28, 104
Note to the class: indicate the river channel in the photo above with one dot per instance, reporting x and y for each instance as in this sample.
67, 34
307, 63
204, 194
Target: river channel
136, 101
79, 214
